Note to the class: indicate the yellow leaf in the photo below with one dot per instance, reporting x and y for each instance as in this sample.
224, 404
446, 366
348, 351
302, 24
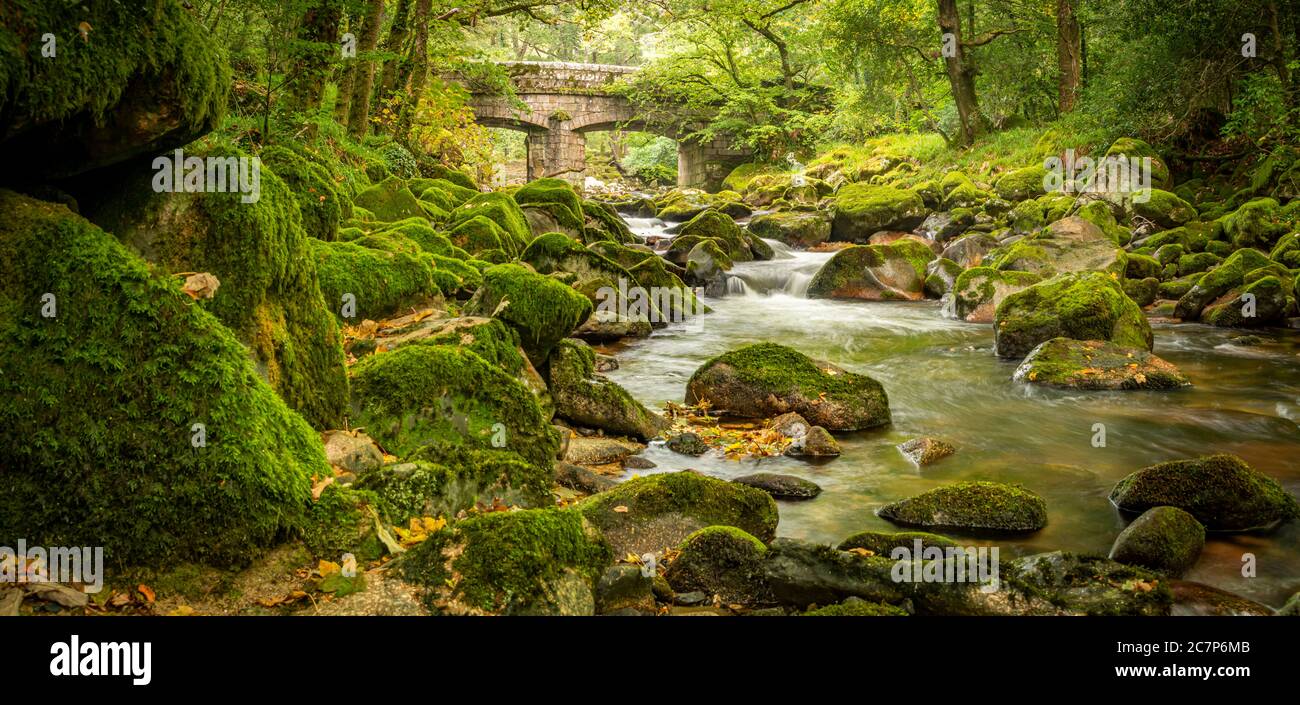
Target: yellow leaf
621, 509
327, 568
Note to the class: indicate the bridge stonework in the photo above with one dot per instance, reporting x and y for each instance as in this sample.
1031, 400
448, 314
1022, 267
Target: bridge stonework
564, 101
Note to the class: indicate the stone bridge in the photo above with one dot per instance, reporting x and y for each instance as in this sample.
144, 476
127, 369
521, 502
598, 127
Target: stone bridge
564, 101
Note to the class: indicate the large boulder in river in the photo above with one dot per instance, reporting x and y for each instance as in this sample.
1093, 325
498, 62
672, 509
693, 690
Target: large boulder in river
766, 379
1097, 365
719, 226
1221, 491
658, 512
133, 419
723, 561
1067, 245
591, 400
543, 310
862, 210
972, 506
1165, 539
1224, 285
139, 82
799, 229
894, 272
977, 292
1081, 305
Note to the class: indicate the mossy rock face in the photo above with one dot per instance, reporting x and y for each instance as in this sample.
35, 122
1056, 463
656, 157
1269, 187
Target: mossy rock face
444, 193
675, 300
678, 205
854, 607
551, 205
1101, 214
796, 229
723, 561
971, 506
1142, 266
1144, 292
531, 562
269, 292
883, 543
1221, 491
319, 204
707, 264
98, 431
1097, 365
556, 252
447, 479
1021, 184
766, 380
1220, 281
862, 210
390, 201
541, 309
1082, 306
941, 274
423, 394
603, 224
478, 235
459, 177
662, 510
588, 399
1264, 301
1131, 148
340, 522
626, 256
712, 224
1165, 539
1164, 209
1257, 223
1067, 245
893, 272
977, 292
1089, 585
381, 281
142, 82
1287, 251
501, 209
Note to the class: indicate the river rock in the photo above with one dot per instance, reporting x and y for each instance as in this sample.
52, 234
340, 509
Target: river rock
723, 561
1193, 599
883, 543
989, 506
861, 210
656, 512
790, 425
1221, 491
797, 229
687, 443
352, 451
624, 587
940, 275
1082, 306
592, 400
890, 272
817, 443
1165, 539
766, 379
1067, 245
944, 226
924, 451
969, 251
977, 292
576, 477
598, 450
1097, 365
781, 486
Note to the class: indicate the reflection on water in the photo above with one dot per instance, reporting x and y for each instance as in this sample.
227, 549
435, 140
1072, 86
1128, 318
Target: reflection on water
943, 380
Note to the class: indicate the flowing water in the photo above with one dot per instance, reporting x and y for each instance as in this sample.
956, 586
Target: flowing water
943, 380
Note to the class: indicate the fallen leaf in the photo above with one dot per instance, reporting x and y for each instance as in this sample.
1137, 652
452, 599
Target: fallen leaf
201, 286
147, 592
621, 509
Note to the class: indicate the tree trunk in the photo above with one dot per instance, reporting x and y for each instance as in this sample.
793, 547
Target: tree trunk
419, 68
318, 35
343, 92
391, 79
961, 76
364, 73
1069, 55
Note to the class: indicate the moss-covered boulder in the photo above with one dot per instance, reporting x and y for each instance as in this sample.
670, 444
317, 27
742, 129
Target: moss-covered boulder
1264, 300
502, 210
1020, 184
1067, 245
723, 561
1164, 209
138, 83
603, 224
551, 205
1132, 148
320, 205
658, 512
1082, 306
862, 210
556, 252
1221, 491
1229, 275
133, 418
893, 272
672, 297
445, 479
588, 399
764, 380
856, 607
390, 200
679, 205
795, 228
1258, 223
712, 224
458, 176
1097, 365
940, 275
543, 310
423, 394
269, 292
882, 543
360, 282
1165, 539
971, 506
977, 292
532, 562
781, 486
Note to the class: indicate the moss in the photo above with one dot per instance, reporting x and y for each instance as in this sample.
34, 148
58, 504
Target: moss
97, 430
457, 177
541, 309
557, 198
421, 394
501, 210
319, 204
652, 273
882, 543
1082, 306
1221, 491
740, 177
862, 210
399, 160
382, 281
1021, 184
1164, 539
1271, 303
146, 80
718, 226
1096, 365
444, 480
989, 506
857, 608
871, 272
478, 235
1141, 267
588, 400
1198, 262
724, 561
966, 196
1257, 223
1132, 147
340, 522
1230, 274
1164, 209
604, 224
506, 562
390, 201
269, 292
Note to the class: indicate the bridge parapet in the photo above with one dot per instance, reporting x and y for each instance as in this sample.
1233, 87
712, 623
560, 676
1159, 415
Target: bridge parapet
564, 78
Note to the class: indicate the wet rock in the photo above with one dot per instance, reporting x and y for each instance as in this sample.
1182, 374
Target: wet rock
1199, 600
790, 425
781, 486
637, 462
687, 444
606, 363
1089, 585
800, 573
940, 275
1082, 306
1067, 245
624, 587
975, 506
882, 543
817, 443
893, 272
608, 326
723, 561
1097, 365
977, 292
766, 379
924, 451
576, 477
1165, 539
1221, 491
352, 451
656, 512
591, 400
596, 450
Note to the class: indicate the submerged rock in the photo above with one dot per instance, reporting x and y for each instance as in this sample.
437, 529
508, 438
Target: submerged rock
1082, 306
1097, 365
1198, 600
1221, 491
924, 451
1165, 539
766, 379
816, 443
781, 486
989, 506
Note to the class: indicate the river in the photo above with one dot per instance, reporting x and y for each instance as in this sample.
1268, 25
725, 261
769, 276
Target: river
943, 380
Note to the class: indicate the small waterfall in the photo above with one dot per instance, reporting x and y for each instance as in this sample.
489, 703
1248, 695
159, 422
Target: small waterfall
737, 286
788, 272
